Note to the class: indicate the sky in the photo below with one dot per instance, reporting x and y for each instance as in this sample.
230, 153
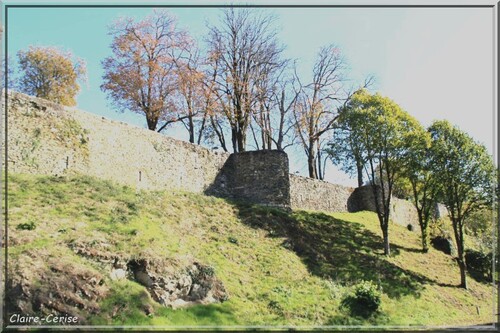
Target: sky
437, 63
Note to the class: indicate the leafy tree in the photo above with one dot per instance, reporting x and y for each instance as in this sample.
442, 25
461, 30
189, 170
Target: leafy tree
385, 133
50, 73
345, 149
467, 174
141, 75
482, 227
419, 172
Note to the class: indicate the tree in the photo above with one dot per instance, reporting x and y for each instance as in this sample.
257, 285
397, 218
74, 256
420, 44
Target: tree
243, 51
276, 98
50, 73
316, 108
140, 76
467, 174
8, 81
419, 172
385, 133
345, 149
193, 96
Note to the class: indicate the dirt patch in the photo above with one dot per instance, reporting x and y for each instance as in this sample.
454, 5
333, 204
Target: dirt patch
172, 282
40, 284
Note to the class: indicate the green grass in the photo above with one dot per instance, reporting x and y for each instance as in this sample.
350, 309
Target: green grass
280, 269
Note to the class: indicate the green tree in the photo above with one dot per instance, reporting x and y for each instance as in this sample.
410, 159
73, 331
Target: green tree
385, 134
50, 73
467, 174
345, 149
419, 172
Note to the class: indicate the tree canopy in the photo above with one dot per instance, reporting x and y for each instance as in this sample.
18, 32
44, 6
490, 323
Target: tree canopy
384, 134
467, 175
50, 73
140, 76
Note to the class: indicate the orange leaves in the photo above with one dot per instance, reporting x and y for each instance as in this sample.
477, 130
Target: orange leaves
51, 73
141, 74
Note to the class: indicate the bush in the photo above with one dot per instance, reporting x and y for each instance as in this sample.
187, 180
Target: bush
364, 301
26, 226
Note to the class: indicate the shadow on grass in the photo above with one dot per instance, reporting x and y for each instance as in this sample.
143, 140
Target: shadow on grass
334, 248
397, 248
213, 315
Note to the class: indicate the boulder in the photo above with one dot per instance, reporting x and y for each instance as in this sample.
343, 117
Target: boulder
444, 244
174, 286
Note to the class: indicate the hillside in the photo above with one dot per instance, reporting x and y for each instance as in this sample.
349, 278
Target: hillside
276, 268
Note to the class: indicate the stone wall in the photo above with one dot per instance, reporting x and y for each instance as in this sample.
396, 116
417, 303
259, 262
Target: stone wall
313, 194
255, 177
46, 138
403, 212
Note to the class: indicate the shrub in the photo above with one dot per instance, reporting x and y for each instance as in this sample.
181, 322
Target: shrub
26, 226
364, 301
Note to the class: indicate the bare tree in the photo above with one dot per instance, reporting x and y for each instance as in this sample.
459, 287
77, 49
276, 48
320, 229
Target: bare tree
276, 97
316, 108
193, 101
7, 77
243, 50
140, 76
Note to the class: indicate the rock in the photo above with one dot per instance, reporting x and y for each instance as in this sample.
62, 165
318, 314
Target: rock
178, 303
174, 285
444, 244
118, 274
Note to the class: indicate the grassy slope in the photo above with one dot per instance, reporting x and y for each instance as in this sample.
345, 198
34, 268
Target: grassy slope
279, 269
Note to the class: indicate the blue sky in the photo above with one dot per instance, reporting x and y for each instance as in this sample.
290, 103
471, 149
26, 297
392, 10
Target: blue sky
437, 63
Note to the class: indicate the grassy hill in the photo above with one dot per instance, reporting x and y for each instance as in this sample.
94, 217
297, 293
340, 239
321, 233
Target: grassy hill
279, 269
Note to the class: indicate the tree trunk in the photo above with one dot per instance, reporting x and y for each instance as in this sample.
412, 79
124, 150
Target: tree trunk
425, 245
359, 168
240, 135
152, 123
311, 163
191, 129
234, 139
463, 270
320, 171
387, 246
459, 239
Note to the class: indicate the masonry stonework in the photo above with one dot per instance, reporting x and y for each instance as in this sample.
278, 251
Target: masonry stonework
313, 194
259, 177
46, 138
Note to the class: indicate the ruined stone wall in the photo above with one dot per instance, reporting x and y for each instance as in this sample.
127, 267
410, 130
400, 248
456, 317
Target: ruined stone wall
46, 138
313, 194
403, 212
255, 177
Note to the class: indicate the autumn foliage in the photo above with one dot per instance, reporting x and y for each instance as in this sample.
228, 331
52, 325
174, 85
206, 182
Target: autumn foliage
50, 73
140, 76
